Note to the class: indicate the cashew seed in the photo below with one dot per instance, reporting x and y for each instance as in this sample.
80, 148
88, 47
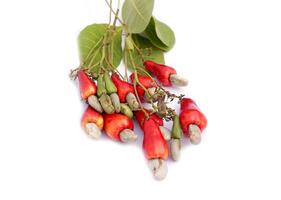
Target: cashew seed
175, 149
94, 103
93, 130
115, 101
127, 135
194, 134
178, 80
106, 104
132, 101
159, 168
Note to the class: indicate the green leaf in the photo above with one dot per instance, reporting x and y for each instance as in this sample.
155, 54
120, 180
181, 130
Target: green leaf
148, 51
116, 47
136, 14
160, 34
165, 33
90, 42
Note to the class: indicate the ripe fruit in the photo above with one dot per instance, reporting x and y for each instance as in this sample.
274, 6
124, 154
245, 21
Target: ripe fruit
146, 82
165, 74
192, 120
155, 148
92, 122
119, 127
87, 86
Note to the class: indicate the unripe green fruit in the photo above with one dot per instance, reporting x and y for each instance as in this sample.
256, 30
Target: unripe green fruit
109, 85
101, 86
126, 110
106, 104
176, 130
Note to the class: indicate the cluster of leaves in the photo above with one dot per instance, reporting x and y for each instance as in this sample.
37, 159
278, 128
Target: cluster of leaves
146, 38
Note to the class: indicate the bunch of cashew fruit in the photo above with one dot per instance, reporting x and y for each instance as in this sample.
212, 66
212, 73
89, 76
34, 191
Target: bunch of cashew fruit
114, 102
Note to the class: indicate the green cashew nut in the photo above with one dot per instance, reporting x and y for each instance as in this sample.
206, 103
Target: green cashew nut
176, 130
101, 86
106, 104
126, 110
115, 102
109, 85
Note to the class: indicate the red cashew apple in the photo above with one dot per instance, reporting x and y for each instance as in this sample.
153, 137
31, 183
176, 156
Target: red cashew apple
119, 127
92, 122
141, 118
125, 92
155, 148
192, 120
123, 88
86, 85
165, 74
146, 81
154, 144
88, 89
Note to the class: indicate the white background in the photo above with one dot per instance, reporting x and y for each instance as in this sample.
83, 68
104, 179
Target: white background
229, 50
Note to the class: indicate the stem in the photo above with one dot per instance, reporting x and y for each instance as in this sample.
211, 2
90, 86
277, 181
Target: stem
136, 77
126, 63
135, 68
138, 98
109, 22
115, 14
105, 45
115, 19
92, 49
135, 71
93, 66
102, 55
110, 47
136, 81
147, 74
138, 50
93, 58
73, 73
141, 85
113, 69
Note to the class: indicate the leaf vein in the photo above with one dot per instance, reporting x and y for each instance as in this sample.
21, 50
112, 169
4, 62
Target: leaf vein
137, 10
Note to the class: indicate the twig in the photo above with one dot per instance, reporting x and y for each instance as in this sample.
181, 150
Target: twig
138, 98
116, 15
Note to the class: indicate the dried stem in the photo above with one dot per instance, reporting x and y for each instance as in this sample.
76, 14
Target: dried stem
73, 73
